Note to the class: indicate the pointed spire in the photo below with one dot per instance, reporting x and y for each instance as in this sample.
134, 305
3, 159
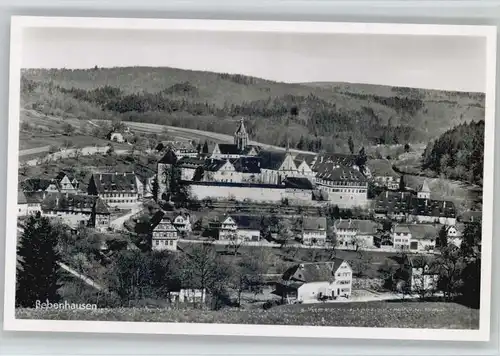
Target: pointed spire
425, 187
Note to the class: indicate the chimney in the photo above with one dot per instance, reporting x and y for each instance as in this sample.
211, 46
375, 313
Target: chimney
387, 194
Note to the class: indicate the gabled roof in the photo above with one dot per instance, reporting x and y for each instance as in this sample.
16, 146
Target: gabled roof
381, 168
308, 158
228, 149
407, 203
168, 158
298, 183
313, 272
402, 229
190, 162
115, 182
362, 226
74, 202
333, 172
247, 164
271, 159
336, 159
21, 197
247, 222
314, 223
213, 165
423, 231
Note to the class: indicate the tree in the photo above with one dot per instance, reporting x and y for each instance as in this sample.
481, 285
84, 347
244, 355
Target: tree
198, 148
155, 188
68, 129
361, 160
285, 234
350, 142
407, 148
442, 240
203, 269
450, 264
177, 192
402, 185
205, 148
38, 271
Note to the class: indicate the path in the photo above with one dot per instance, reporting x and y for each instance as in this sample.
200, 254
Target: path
85, 151
117, 224
145, 127
80, 276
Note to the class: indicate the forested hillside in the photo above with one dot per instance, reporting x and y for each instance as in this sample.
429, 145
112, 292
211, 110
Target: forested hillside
458, 153
321, 116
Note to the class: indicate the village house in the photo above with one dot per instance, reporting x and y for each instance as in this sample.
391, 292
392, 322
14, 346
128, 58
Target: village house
34, 201
179, 148
401, 237
383, 175
454, 234
189, 166
408, 207
189, 295
239, 228
66, 184
313, 230
240, 148
335, 159
115, 136
22, 204
277, 166
118, 190
353, 234
164, 235
76, 210
181, 221
342, 185
216, 170
313, 282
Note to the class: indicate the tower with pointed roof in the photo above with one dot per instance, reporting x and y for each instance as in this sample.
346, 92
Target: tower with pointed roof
424, 192
241, 136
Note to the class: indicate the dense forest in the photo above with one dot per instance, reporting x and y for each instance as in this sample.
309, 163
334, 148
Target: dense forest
458, 153
319, 117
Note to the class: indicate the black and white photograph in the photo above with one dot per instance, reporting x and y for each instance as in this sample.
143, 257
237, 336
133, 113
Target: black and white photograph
233, 177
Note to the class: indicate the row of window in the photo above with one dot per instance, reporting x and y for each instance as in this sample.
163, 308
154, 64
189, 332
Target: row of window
344, 282
119, 195
120, 201
336, 190
164, 242
165, 234
328, 182
343, 274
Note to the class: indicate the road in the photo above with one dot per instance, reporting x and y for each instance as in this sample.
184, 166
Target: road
145, 127
32, 151
117, 224
85, 151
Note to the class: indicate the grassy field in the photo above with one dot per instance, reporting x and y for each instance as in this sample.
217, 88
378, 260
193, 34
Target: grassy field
431, 315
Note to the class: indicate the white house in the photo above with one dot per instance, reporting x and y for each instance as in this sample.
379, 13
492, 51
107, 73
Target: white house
455, 234
188, 295
182, 222
355, 234
312, 282
164, 235
240, 228
67, 184
401, 237
423, 237
313, 230
221, 171
119, 190
115, 137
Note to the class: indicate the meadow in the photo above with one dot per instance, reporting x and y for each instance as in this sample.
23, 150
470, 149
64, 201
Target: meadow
433, 315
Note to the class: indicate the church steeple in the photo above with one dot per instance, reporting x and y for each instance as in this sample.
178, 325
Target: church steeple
241, 136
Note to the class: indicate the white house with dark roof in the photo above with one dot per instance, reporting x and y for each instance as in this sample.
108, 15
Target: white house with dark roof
164, 235
119, 190
415, 237
239, 228
353, 234
313, 230
76, 210
342, 185
401, 237
216, 170
314, 282
66, 183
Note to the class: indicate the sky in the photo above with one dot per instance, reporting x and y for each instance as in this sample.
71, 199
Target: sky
433, 62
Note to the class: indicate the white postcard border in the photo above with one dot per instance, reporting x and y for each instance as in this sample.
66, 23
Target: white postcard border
19, 23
